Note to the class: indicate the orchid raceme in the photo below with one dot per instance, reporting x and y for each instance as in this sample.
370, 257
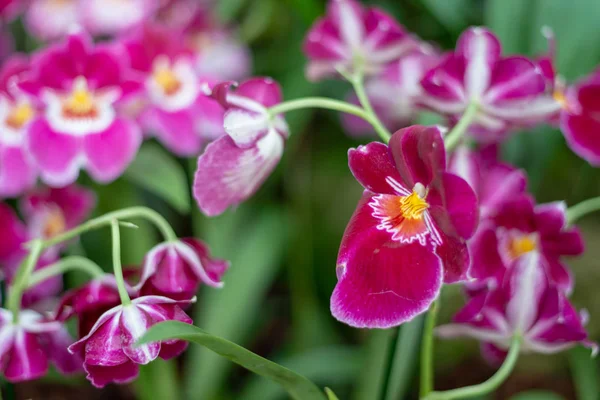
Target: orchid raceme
232, 168
408, 233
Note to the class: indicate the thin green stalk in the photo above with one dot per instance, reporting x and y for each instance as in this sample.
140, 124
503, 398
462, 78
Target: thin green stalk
319, 102
13, 303
488, 386
427, 351
359, 87
127, 213
579, 210
117, 268
66, 264
452, 139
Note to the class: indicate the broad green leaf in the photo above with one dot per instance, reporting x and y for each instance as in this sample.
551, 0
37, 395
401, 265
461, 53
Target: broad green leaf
330, 394
510, 20
537, 395
227, 10
405, 359
254, 246
158, 172
323, 365
585, 372
297, 386
373, 378
451, 13
257, 20
157, 380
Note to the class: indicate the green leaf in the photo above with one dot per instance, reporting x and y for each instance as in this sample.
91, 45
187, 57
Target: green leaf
373, 379
227, 10
451, 13
405, 359
510, 20
323, 365
330, 394
158, 172
254, 245
297, 386
585, 373
537, 395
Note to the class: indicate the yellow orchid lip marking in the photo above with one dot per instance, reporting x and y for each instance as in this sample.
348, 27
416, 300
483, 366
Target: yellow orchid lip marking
80, 102
55, 224
20, 115
164, 76
521, 245
414, 205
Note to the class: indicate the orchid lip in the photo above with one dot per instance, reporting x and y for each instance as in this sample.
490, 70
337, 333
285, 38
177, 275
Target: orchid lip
405, 215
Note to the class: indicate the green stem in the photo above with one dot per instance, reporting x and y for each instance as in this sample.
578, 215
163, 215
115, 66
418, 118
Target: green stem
66, 264
13, 303
488, 386
585, 207
427, 351
117, 268
359, 87
106, 219
452, 139
319, 102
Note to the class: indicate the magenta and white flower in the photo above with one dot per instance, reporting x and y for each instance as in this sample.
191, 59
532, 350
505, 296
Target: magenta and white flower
112, 17
172, 106
65, 15
352, 37
233, 167
29, 345
520, 228
394, 94
524, 304
109, 351
408, 233
176, 269
17, 109
81, 127
508, 91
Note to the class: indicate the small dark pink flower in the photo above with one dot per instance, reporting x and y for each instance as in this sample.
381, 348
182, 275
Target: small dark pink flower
233, 167
580, 118
526, 304
394, 94
172, 106
109, 350
494, 182
521, 228
352, 36
111, 17
27, 347
47, 212
17, 171
509, 91
176, 269
80, 86
65, 15
89, 302
407, 235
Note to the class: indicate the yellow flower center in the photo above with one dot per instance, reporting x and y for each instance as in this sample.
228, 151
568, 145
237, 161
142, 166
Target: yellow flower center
559, 96
20, 115
414, 205
521, 245
55, 224
80, 103
167, 80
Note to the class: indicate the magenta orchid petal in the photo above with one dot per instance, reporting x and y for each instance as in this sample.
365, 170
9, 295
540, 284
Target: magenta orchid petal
580, 121
13, 232
175, 130
133, 323
487, 262
64, 17
101, 375
264, 91
55, 154
459, 204
56, 344
26, 360
456, 258
372, 165
228, 175
551, 217
480, 50
514, 78
108, 153
382, 283
17, 173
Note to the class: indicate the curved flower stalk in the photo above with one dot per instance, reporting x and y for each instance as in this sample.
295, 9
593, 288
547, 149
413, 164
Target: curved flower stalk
17, 110
233, 167
407, 235
351, 37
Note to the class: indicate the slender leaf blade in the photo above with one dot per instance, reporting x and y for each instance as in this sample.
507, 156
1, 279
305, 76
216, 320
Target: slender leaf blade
158, 172
297, 386
585, 373
405, 359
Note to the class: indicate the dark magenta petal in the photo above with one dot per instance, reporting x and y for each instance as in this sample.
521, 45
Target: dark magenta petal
100, 375
454, 206
515, 78
579, 131
550, 218
419, 154
371, 165
13, 233
26, 360
455, 257
17, 172
382, 283
566, 243
262, 90
500, 183
175, 130
480, 49
517, 213
446, 81
559, 274
56, 344
486, 261
172, 350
